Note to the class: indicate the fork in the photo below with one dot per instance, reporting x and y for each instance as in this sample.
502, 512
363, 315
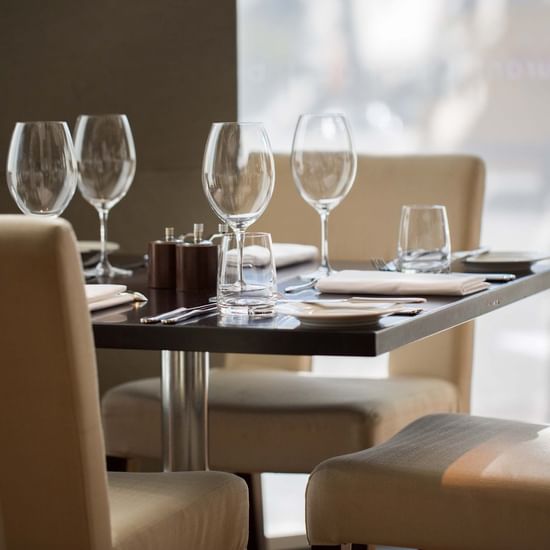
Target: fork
381, 265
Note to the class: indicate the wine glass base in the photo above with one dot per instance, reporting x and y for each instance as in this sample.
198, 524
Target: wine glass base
107, 271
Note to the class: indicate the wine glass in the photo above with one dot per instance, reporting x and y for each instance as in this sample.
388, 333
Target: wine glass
107, 162
238, 175
41, 168
323, 163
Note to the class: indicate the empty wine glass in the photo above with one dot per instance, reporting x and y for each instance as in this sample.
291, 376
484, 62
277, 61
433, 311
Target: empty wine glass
107, 162
238, 176
41, 168
323, 163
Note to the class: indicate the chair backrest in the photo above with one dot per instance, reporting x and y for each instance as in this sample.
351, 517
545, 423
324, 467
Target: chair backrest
53, 484
366, 225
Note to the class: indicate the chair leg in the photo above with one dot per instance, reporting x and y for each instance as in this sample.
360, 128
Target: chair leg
256, 538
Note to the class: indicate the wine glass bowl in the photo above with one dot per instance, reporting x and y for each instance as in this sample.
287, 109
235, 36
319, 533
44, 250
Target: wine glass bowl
238, 172
41, 169
107, 163
324, 177
323, 163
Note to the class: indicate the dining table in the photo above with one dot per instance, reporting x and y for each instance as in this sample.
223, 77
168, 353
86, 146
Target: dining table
185, 347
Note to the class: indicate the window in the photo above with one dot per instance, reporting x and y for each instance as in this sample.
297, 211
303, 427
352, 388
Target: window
429, 76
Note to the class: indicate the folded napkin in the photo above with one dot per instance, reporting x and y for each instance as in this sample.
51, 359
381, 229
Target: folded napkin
289, 254
388, 282
102, 296
284, 254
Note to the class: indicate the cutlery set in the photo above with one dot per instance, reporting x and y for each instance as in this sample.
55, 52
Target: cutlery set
180, 314
382, 265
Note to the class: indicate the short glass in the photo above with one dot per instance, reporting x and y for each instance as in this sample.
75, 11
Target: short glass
256, 294
424, 244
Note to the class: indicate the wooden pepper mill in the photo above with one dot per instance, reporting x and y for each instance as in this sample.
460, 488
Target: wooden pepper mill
162, 261
197, 264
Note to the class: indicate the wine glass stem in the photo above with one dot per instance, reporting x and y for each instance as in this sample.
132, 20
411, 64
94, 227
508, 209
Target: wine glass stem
239, 236
103, 215
324, 240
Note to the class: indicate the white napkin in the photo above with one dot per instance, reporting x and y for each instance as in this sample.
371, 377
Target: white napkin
388, 282
284, 254
289, 254
102, 296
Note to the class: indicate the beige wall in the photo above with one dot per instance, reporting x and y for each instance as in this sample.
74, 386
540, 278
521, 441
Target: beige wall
170, 65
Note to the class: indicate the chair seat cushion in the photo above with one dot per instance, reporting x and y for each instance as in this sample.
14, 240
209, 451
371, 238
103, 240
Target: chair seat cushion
207, 510
446, 481
275, 421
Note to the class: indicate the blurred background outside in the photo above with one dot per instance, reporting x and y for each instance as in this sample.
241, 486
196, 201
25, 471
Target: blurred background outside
423, 76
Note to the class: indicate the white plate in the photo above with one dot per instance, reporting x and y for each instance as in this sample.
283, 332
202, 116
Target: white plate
85, 247
505, 261
317, 316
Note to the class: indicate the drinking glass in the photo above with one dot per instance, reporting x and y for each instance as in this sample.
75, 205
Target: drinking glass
238, 176
107, 162
424, 244
41, 169
247, 287
323, 163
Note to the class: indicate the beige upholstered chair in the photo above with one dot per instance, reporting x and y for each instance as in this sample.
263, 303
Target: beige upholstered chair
276, 421
446, 481
54, 490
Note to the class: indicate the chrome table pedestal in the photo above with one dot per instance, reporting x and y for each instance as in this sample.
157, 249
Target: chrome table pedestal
184, 410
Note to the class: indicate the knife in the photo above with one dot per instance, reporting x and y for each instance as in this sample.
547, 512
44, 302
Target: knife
359, 300
496, 277
463, 254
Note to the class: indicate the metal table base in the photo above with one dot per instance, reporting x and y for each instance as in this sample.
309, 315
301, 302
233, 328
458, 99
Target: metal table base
184, 410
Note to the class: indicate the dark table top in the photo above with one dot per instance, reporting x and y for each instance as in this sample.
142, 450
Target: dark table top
120, 327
